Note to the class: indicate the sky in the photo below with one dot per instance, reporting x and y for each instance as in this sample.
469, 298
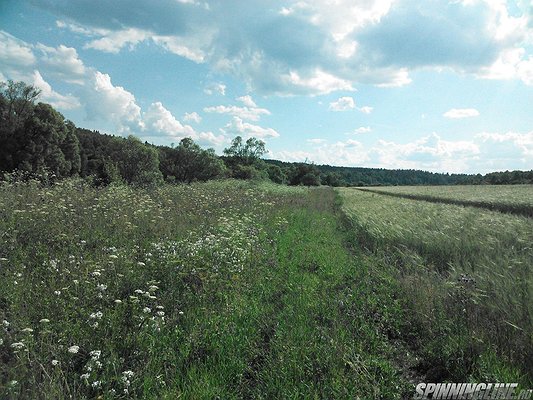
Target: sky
442, 86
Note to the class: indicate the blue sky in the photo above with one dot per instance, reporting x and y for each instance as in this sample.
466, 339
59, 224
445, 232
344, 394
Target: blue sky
442, 86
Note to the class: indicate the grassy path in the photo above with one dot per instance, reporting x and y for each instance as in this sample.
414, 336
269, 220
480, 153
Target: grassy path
325, 317
314, 322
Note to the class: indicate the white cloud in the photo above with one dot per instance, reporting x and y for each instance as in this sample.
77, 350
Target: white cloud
342, 104
238, 127
366, 109
347, 153
247, 101
522, 141
457, 113
318, 47
63, 62
63, 102
114, 41
75, 28
362, 129
16, 56
105, 101
250, 113
213, 88
194, 117
159, 121
317, 82
429, 153
178, 46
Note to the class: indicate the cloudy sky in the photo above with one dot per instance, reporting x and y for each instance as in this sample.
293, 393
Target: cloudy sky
435, 85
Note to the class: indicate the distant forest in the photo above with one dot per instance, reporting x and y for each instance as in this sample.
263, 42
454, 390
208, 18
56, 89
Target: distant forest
36, 141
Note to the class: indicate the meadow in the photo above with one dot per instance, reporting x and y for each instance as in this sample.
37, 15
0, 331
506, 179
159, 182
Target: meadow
226, 289
239, 289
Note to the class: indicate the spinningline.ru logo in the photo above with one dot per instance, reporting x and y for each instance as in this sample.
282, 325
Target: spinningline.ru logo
473, 391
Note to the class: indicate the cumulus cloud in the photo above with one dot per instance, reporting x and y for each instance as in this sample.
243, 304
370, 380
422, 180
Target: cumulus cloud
522, 142
347, 103
341, 153
317, 47
65, 102
430, 153
238, 127
105, 100
457, 113
63, 62
193, 117
342, 104
16, 56
316, 82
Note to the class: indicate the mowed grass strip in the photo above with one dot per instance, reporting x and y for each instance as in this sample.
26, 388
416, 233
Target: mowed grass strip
467, 273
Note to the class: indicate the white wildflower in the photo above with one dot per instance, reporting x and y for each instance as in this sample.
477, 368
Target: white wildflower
146, 310
95, 354
27, 330
73, 349
84, 376
55, 362
128, 374
17, 345
44, 321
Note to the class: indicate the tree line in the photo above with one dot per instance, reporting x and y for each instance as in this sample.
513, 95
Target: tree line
36, 140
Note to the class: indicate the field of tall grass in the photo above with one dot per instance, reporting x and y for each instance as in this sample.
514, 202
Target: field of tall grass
233, 290
467, 274
516, 199
217, 290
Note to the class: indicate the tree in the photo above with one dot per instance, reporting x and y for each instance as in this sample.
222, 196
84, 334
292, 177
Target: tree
245, 153
16, 106
188, 162
138, 163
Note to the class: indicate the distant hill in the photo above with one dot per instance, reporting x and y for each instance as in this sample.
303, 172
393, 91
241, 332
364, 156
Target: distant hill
360, 176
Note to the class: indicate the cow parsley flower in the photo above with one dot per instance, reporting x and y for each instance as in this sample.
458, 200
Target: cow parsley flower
74, 349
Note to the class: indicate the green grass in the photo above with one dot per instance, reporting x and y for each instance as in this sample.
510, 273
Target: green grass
240, 290
218, 290
467, 275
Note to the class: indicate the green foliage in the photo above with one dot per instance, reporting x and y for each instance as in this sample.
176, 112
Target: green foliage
276, 174
304, 174
246, 153
35, 138
139, 164
188, 162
